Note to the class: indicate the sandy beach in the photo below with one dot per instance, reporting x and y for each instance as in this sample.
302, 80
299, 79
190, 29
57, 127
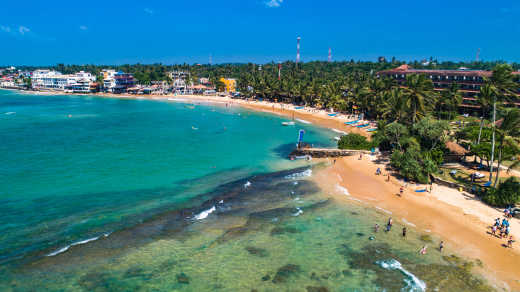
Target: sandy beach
457, 218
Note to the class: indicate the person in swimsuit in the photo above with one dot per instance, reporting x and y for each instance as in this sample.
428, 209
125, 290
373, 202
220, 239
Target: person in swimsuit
423, 250
510, 242
441, 246
376, 228
401, 190
404, 231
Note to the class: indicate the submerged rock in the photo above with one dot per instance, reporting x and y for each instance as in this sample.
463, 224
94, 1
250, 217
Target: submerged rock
183, 278
285, 272
266, 278
256, 251
278, 230
317, 289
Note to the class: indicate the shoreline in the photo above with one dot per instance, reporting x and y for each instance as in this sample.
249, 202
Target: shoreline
462, 222
439, 213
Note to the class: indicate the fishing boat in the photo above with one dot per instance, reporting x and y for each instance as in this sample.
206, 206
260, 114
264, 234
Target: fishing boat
299, 107
351, 122
363, 125
372, 130
287, 123
332, 115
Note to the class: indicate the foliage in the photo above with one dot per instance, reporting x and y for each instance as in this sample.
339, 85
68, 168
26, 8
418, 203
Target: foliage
431, 132
414, 165
354, 142
507, 193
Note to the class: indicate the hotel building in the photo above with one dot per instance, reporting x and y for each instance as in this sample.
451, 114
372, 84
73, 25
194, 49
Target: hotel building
468, 82
117, 82
80, 82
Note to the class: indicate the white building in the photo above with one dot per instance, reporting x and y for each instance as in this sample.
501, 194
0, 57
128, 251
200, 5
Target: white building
53, 80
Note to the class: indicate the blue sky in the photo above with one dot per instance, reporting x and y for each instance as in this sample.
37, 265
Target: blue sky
42, 32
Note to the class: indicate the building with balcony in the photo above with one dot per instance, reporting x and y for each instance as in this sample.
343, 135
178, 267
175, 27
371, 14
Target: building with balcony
117, 82
44, 79
468, 82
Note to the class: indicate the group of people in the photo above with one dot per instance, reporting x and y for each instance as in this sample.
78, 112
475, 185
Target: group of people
389, 225
502, 229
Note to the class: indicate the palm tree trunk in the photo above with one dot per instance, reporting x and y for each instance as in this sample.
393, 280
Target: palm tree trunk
499, 161
493, 139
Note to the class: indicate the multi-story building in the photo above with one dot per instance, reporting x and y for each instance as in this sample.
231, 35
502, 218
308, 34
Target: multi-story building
230, 84
53, 80
468, 81
117, 82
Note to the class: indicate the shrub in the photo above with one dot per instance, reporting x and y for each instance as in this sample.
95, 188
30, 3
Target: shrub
354, 142
507, 193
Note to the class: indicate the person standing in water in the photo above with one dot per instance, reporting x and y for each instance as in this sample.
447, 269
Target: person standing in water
389, 225
376, 228
441, 246
423, 250
404, 231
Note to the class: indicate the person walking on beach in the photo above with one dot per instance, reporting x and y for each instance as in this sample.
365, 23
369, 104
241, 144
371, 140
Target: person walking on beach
494, 230
404, 231
360, 156
378, 171
401, 190
510, 242
388, 177
441, 246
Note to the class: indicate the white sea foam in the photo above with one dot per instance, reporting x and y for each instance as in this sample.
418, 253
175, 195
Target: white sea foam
413, 284
64, 249
303, 121
10, 113
409, 223
339, 131
386, 211
298, 213
297, 175
205, 214
221, 202
357, 200
343, 190
247, 184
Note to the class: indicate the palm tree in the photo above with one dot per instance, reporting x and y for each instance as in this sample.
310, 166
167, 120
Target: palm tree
509, 128
419, 93
394, 106
503, 87
485, 98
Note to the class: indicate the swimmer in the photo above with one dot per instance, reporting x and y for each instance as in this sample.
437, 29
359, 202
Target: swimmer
423, 250
376, 228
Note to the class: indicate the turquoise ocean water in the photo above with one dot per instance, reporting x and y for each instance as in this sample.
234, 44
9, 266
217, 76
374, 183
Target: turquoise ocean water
100, 194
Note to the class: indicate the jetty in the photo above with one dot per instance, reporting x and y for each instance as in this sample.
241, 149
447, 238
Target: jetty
325, 152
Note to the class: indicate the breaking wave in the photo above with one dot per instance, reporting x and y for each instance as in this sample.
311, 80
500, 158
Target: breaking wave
413, 284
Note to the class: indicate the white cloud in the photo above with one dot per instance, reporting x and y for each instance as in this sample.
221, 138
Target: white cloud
23, 30
274, 3
149, 11
5, 28
83, 27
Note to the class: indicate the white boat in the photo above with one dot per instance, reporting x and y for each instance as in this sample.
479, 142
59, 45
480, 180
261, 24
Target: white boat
288, 123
